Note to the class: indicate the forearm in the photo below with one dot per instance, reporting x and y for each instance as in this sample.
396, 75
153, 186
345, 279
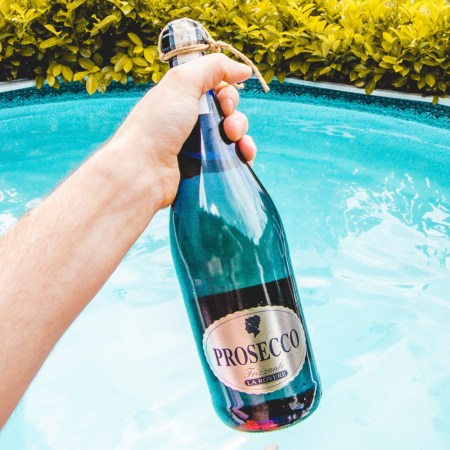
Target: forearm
57, 258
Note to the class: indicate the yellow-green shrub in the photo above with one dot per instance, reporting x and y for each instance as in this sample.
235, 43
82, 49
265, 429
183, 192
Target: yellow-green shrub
396, 44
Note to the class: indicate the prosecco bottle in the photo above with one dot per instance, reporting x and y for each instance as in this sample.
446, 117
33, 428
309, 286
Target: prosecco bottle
232, 261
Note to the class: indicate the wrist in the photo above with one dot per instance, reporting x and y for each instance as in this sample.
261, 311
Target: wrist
136, 181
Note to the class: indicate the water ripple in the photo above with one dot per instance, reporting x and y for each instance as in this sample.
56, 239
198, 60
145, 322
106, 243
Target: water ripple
365, 203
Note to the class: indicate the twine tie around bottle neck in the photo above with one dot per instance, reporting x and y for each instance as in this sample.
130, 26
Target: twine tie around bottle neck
211, 46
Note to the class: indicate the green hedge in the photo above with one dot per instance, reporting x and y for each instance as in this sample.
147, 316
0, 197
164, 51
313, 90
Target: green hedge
394, 44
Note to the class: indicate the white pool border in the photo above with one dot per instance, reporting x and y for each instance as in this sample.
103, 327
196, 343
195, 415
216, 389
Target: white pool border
7, 86
376, 93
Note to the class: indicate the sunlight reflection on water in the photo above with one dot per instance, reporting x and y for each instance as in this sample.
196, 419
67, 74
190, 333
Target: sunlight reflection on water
365, 201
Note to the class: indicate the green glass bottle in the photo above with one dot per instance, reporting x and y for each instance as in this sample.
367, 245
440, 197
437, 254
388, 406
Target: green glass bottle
232, 260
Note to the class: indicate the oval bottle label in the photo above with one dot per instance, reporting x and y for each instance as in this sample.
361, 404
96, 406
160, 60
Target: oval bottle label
257, 350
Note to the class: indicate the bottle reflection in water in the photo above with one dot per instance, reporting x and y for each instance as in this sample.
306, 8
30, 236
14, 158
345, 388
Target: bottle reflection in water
232, 261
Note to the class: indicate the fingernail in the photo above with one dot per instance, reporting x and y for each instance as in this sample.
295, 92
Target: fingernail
238, 125
230, 104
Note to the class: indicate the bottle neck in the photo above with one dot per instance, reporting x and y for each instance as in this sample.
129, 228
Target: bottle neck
207, 148
181, 59
203, 107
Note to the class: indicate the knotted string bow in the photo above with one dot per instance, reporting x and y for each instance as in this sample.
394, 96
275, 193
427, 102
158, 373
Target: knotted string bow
211, 46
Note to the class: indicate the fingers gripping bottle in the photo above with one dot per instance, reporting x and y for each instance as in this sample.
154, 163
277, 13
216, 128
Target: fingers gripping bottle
232, 261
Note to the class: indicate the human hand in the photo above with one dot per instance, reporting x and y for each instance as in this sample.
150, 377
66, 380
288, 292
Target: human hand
157, 127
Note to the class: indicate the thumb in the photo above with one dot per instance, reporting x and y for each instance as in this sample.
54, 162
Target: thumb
205, 73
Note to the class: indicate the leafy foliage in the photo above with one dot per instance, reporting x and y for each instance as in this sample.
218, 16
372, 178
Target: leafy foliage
395, 44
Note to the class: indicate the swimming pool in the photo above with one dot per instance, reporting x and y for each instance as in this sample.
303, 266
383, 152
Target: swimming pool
363, 188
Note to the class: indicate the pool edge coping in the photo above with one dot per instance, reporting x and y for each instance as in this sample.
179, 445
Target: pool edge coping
401, 106
8, 86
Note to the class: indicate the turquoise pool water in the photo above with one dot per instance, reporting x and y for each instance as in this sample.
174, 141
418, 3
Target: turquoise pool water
365, 199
